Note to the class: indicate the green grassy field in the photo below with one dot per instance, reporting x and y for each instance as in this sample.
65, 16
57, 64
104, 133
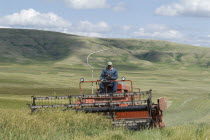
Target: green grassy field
186, 88
47, 63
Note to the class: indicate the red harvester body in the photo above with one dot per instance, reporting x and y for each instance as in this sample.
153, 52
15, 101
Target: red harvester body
134, 110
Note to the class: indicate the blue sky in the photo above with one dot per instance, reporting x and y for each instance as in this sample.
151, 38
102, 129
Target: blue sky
181, 21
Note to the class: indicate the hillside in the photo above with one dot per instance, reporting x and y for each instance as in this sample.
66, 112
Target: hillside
33, 46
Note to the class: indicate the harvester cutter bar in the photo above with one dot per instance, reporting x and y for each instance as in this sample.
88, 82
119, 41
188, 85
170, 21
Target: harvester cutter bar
89, 96
114, 108
129, 122
88, 104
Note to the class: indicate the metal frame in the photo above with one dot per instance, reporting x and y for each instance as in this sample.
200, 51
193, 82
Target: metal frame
133, 112
34, 105
131, 83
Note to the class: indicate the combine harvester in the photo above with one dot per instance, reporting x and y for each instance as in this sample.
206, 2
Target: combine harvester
134, 110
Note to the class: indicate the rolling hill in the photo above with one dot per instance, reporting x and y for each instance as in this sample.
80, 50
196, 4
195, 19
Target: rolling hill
34, 46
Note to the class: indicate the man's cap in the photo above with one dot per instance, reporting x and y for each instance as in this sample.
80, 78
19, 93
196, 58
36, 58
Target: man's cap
109, 63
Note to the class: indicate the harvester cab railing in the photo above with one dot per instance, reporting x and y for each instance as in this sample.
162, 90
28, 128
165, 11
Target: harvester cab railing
120, 88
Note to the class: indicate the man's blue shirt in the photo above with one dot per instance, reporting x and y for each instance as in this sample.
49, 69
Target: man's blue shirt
105, 72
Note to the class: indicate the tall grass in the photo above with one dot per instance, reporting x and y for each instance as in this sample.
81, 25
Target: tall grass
54, 125
186, 89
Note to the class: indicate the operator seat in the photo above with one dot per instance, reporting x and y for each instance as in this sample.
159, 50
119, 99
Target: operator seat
109, 87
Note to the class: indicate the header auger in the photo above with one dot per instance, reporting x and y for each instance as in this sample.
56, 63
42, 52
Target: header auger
125, 107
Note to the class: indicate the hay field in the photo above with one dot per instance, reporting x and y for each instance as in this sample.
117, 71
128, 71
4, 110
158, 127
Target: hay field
186, 88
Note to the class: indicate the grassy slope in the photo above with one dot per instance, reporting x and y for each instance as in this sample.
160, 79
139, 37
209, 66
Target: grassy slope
185, 87
30, 46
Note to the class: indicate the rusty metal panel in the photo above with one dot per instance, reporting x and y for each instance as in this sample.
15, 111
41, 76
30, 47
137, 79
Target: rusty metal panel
162, 105
132, 114
123, 87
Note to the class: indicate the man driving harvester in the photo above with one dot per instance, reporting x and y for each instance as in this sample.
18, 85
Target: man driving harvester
109, 73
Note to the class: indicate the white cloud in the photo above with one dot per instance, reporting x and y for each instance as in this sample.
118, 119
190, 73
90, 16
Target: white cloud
32, 18
158, 32
199, 8
126, 27
208, 35
198, 41
88, 34
86, 26
94, 4
87, 4
119, 7
5, 27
